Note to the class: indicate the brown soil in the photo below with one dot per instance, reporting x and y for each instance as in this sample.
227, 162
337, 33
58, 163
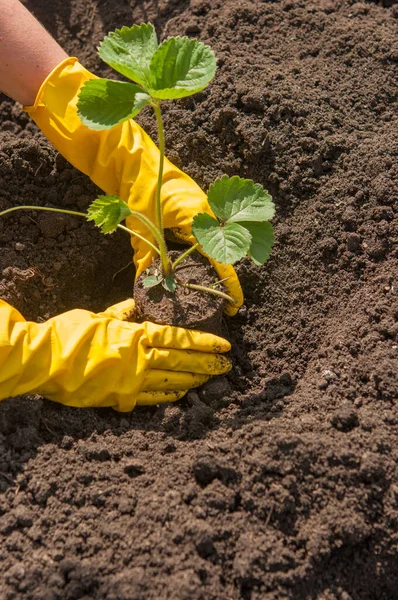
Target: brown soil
188, 308
281, 481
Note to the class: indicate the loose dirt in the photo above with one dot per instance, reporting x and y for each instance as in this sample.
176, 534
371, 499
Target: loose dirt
279, 482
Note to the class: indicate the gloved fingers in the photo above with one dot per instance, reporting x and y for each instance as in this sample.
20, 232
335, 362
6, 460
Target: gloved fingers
166, 336
152, 398
121, 311
230, 280
188, 361
226, 273
162, 380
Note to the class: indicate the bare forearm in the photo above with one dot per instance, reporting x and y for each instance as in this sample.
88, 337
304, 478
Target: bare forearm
28, 53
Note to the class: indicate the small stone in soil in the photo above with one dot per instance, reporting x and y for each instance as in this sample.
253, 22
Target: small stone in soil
215, 389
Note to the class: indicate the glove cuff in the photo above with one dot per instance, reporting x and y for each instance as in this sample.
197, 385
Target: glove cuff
70, 61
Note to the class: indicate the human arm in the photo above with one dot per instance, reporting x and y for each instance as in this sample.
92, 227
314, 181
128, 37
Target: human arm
123, 161
74, 365
28, 53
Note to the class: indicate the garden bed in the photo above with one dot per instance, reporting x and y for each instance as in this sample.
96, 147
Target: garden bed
279, 482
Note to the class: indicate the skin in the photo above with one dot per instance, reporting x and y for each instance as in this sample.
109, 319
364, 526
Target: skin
28, 53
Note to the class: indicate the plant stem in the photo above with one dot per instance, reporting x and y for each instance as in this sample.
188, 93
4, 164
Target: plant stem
201, 288
28, 207
158, 114
159, 213
80, 214
152, 229
184, 255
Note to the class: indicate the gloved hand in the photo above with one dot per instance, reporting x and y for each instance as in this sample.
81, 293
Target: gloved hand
122, 161
84, 359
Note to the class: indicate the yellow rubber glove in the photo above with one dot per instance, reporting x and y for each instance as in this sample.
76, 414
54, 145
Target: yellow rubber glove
85, 359
122, 161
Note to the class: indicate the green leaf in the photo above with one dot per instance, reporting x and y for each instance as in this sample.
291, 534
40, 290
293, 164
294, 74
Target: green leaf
107, 212
234, 199
181, 67
104, 103
151, 281
225, 244
129, 51
262, 241
169, 283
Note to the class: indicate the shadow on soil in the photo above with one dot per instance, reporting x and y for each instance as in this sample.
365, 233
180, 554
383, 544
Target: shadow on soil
27, 423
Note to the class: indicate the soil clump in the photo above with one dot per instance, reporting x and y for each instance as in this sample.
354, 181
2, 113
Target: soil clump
188, 308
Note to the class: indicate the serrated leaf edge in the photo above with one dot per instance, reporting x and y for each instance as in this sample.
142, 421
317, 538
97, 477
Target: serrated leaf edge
153, 92
244, 182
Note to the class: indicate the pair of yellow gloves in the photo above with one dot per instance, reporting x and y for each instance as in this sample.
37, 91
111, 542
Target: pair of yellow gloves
84, 359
